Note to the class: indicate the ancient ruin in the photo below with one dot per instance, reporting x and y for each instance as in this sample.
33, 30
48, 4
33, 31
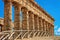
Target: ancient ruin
30, 21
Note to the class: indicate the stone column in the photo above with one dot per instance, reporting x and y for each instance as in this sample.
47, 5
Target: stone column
43, 25
40, 23
36, 22
24, 19
7, 15
27, 20
31, 25
52, 30
39, 26
1, 28
17, 17
47, 29
31, 22
28, 23
43, 31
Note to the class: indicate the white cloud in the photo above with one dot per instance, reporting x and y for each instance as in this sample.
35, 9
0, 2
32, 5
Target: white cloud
58, 30
55, 27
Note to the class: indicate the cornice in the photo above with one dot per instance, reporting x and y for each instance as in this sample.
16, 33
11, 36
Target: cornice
41, 9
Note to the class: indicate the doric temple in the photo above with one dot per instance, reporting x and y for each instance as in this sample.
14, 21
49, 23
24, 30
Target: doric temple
31, 22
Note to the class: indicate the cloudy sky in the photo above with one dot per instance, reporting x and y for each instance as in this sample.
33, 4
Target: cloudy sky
50, 6
53, 8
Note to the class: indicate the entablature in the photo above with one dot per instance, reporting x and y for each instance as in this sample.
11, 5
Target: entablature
32, 6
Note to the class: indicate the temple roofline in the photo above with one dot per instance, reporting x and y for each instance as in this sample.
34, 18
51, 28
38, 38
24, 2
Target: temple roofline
41, 9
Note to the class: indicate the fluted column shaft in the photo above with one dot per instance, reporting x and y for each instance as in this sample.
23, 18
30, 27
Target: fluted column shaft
7, 15
43, 25
40, 23
24, 19
27, 20
47, 28
52, 30
17, 17
36, 22
31, 22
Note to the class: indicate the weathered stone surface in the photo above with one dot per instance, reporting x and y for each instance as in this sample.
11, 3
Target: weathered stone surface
17, 18
33, 19
8, 15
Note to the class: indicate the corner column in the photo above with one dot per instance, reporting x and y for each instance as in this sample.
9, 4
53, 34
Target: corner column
52, 30
7, 15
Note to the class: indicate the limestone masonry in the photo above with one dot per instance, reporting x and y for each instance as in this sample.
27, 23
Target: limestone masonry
31, 22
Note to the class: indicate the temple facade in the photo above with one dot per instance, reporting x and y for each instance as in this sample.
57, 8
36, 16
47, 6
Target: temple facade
30, 20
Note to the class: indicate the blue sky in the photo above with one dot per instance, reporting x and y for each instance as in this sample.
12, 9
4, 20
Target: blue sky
53, 8
50, 6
